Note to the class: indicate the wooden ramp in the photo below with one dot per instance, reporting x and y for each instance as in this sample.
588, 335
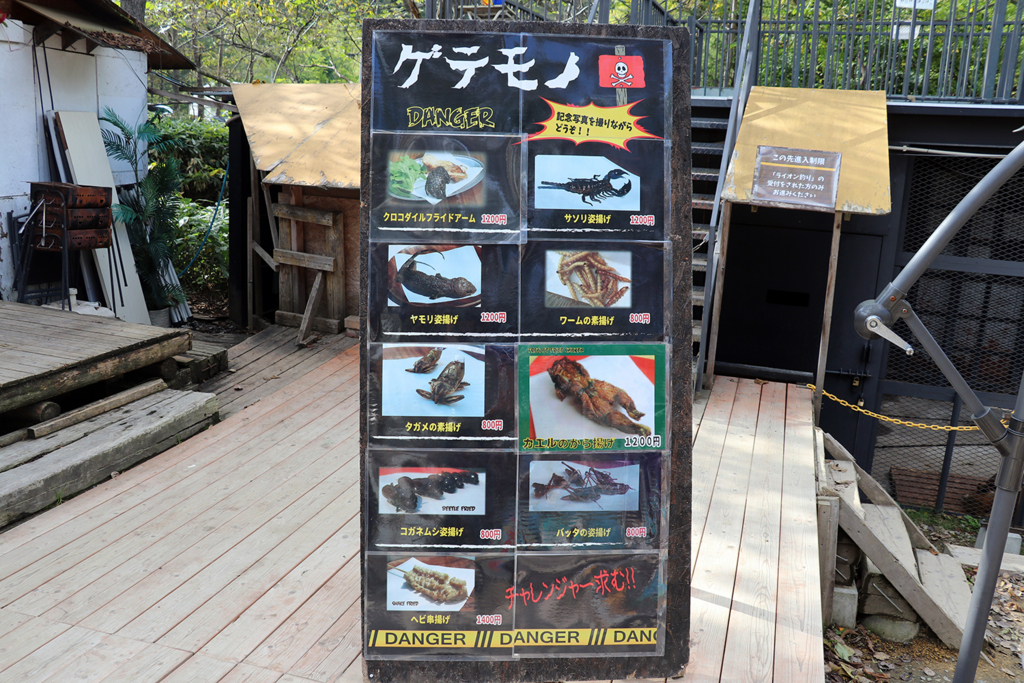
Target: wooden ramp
234, 556
45, 353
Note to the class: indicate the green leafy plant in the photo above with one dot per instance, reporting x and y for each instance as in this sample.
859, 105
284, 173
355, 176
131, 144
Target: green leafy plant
148, 208
201, 149
210, 269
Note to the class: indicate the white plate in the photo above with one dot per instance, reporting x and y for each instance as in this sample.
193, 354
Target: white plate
474, 174
400, 592
554, 419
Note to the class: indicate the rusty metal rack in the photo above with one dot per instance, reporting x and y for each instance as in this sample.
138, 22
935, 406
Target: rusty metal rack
65, 218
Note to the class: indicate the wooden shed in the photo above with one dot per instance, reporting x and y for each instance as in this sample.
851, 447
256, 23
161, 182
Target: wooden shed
304, 141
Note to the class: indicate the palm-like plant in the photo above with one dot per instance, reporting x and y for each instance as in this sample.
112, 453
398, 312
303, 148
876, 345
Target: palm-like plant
148, 208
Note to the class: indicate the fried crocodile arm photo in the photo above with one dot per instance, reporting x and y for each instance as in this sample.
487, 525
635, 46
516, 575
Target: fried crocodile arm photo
596, 400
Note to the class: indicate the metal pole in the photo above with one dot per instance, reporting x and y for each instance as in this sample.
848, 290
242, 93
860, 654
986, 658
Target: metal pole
995, 43
1007, 487
947, 461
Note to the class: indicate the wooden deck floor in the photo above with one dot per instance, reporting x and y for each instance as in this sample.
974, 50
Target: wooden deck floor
46, 352
234, 556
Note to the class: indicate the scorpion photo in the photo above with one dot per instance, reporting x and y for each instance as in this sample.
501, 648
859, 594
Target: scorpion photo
595, 188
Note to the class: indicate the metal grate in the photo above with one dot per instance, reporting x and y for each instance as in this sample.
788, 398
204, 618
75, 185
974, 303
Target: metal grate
972, 302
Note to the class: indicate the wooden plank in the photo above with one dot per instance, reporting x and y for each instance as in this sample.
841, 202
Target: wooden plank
712, 338
244, 673
842, 478
53, 656
243, 635
271, 218
168, 598
37, 484
192, 100
944, 579
199, 668
106, 655
323, 325
315, 293
250, 262
89, 166
304, 260
26, 638
826, 323
907, 584
707, 456
750, 643
700, 402
304, 215
335, 238
303, 629
36, 537
288, 276
798, 635
886, 524
148, 666
55, 383
971, 557
335, 653
828, 533
875, 492
267, 258
95, 408
714, 571
216, 522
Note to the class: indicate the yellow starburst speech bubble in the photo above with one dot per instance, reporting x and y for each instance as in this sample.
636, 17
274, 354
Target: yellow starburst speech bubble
614, 126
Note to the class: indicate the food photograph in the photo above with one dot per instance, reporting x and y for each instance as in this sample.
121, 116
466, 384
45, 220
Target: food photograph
573, 486
428, 276
443, 585
575, 398
432, 491
434, 176
581, 182
588, 279
441, 381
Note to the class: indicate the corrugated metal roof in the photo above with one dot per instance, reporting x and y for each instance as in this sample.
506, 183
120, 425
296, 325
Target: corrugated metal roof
303, 134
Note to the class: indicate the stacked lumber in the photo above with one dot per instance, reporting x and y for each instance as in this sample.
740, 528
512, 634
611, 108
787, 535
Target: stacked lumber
901, 577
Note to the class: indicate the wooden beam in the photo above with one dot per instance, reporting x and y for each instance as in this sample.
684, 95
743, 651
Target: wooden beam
712, 347
909, 587
314, 300
322, 325
95, 408
36, 412
304, 215
826, 323
875, 492
261, 252
304, 260
270, 210
192, 100
828, 536
249, 265
54, 384
335, 240
43, 31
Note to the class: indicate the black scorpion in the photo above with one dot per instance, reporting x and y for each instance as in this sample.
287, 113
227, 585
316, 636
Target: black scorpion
596, 188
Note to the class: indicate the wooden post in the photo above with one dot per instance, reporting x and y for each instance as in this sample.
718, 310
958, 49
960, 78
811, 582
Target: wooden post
723, 243
336, 281
828, 535
826, 323
314, 301
298, 244
286, 274
249, 265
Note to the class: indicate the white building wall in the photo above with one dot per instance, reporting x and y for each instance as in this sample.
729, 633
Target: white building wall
78, 82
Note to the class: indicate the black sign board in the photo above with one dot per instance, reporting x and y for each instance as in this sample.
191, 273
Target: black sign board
796, 178
526, 426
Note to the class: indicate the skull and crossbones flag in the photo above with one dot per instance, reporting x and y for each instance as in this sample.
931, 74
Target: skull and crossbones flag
618, 71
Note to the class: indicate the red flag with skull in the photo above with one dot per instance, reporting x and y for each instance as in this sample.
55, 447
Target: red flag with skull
620, 71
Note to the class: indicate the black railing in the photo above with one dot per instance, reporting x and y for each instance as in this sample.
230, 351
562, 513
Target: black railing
960, 51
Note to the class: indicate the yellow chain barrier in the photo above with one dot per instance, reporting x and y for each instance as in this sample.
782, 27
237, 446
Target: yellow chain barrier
894, 420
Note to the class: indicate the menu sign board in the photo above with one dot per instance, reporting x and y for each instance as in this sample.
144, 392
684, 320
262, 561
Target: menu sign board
526, 425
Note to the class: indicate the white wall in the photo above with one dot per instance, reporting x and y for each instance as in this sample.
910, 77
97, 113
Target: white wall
80, 82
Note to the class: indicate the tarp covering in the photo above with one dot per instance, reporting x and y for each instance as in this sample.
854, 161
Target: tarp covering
848, 121
303, 134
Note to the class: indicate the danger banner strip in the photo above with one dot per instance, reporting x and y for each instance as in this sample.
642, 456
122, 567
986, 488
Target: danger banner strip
585, 637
